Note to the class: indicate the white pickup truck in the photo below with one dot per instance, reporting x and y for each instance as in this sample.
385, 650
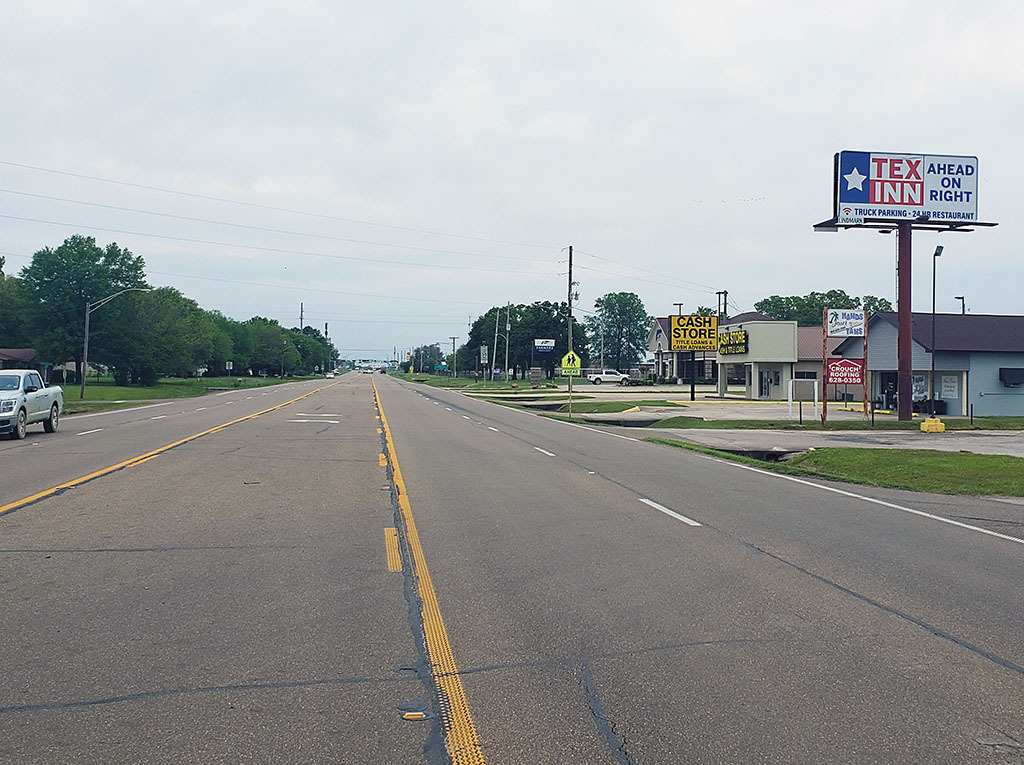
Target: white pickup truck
610, 376
25, 399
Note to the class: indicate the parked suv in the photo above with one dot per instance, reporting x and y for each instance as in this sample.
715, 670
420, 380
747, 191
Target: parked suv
609, 376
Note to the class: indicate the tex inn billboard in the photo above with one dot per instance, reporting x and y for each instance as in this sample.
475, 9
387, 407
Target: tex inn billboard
905, 187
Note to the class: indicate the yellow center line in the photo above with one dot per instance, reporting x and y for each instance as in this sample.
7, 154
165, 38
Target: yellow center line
460, 733
391, 546
11, 507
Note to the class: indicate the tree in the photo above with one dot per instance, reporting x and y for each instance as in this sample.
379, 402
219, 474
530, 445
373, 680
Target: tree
426, 358
15, 308
148, 334
874, 304
61, 282
807, 310
620, 326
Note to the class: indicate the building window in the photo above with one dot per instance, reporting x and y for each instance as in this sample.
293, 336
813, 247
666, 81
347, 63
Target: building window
806, 375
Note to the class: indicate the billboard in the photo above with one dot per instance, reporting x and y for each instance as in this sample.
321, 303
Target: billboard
842, 322
845, 372
544, 345
693, 333
905, 187
733, 342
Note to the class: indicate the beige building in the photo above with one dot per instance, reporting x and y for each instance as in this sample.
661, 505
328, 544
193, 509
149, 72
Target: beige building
767, 351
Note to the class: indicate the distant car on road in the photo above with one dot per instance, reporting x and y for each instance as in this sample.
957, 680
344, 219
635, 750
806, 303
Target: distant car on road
609, 376
25, 399
329, 375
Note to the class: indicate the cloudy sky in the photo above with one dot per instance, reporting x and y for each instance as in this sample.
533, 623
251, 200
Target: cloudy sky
400, 167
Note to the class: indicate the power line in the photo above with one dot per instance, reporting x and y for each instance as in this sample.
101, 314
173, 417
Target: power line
269, 207
280, 251
214, 222
312, 289
645, 270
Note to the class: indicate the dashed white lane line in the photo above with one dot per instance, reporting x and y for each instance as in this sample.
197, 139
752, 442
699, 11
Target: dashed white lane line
465, 417
200, 408
447, 409
494, 429
666, 511
87, 432
544, 451
118, 411
158, 417
332, 422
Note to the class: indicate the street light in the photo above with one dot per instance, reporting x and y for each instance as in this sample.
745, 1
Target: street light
931, 381
89, 308
963, 304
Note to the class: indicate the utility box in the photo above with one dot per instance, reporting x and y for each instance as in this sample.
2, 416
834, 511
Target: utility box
933, 425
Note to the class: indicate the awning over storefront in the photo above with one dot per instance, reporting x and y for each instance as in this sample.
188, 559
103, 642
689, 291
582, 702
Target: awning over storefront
1011, 377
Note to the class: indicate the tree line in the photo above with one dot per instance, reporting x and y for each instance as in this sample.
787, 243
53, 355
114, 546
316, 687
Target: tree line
140, 335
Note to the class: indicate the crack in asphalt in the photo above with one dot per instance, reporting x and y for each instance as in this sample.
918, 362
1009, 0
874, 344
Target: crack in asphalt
605, 725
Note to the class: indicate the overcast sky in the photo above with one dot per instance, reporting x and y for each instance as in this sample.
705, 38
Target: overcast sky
419, 162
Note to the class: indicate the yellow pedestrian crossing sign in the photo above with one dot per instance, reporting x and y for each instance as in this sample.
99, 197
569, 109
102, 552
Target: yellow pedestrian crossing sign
571, 364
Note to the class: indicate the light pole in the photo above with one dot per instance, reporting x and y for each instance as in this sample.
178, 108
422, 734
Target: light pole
963, 304
89, 308
931, 379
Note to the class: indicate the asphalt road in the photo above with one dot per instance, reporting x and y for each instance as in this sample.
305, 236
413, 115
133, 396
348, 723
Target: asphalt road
229, 599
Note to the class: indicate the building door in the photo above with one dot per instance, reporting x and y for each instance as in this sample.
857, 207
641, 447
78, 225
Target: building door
764, 388
888, 384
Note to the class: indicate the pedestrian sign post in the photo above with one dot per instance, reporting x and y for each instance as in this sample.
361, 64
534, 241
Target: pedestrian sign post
571, 364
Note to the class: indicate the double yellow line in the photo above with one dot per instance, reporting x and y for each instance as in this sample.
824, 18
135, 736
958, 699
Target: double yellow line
460, 732
10, 508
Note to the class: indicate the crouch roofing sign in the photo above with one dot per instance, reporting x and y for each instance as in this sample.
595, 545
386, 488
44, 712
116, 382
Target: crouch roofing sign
845, 372
905, 187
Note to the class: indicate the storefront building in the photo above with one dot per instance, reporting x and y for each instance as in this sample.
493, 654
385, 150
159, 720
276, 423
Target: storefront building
978, 362
767, 352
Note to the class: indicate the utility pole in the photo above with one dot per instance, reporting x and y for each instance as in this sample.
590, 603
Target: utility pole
455, 362
497, 315
570, 327
508, 328
679, 308
301, 315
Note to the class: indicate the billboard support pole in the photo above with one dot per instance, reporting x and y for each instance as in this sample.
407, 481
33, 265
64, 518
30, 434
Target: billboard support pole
864, 372
824, 364
904, 388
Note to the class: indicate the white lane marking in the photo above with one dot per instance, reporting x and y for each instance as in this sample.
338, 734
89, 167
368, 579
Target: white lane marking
225, 393
465, 417
666, 511
874, 501
248, 397
542, 451
447, 409
87, 432
317, 414
494, 429
117, 411
333, 422
228, 402
574, 425
158, 417
436, 404
200, 408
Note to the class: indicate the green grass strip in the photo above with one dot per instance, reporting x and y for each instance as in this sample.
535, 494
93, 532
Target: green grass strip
924, 470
